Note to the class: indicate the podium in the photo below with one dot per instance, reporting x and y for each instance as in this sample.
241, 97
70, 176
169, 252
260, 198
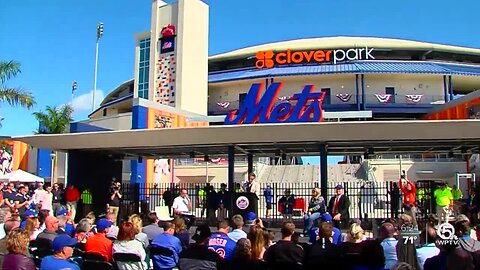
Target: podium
244, 202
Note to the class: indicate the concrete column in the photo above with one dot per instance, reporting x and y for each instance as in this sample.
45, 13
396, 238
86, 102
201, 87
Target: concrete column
323, 170
250, 163
445, 88
357, 92
231, 174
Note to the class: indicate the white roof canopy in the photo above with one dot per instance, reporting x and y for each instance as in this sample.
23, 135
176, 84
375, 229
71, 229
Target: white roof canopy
21, 176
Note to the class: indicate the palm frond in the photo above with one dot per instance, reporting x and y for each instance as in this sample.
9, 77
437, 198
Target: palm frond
16, 96
54, 120
8, 70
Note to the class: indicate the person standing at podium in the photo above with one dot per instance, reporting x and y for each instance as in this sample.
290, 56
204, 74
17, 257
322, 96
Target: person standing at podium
251, 186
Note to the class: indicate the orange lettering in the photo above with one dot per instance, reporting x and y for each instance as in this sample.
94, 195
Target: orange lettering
328, 56
281, 58
319, 56
308, 55
289, 59
297, 57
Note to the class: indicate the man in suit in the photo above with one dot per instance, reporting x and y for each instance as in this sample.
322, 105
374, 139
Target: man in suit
251, 185
338, 207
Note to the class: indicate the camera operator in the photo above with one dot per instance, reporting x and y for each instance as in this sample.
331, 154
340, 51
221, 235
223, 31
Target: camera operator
115, 197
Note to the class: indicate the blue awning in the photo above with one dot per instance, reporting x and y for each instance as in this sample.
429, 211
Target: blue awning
390, 67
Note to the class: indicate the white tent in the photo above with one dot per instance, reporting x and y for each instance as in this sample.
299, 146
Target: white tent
21, 176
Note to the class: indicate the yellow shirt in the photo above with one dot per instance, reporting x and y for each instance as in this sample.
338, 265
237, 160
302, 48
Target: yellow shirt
457, 194
443, 197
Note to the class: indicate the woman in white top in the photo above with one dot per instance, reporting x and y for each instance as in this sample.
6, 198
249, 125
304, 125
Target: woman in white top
126, 243
136, 220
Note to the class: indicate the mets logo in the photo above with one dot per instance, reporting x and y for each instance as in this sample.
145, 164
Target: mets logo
167, 45
264, 60
242, 202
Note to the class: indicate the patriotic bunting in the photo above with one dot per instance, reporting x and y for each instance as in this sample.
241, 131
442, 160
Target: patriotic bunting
224, 105
383, 98
284, 98
414, 98
344, 97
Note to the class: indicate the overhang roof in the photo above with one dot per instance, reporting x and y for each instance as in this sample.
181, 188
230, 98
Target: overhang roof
267, 139
342, 42
359, 67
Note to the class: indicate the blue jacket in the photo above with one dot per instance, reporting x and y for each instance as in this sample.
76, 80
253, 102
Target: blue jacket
268, 193
167, 241
337, 235
222, 245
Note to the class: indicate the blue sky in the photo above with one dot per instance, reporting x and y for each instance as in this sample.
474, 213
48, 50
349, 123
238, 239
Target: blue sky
55, 40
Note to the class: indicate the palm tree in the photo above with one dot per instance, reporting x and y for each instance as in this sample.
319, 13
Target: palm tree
13, 95
53, 121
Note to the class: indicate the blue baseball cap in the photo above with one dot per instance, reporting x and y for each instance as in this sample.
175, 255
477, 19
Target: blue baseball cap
30, 213
338, 186
103, 223
326, 218
62, 212
63, 240
251, 216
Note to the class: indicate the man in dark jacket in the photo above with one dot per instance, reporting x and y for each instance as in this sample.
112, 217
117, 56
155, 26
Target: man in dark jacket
338, 207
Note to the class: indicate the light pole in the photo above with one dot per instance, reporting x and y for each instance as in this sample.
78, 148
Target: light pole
74, 88
53, 155
99, 36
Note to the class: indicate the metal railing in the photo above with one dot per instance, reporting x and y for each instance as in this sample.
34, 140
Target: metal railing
368, 200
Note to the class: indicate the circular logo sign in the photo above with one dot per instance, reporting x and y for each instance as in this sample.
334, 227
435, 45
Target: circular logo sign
446, 231
242, 202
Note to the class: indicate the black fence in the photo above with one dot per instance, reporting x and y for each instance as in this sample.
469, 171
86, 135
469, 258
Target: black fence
368, 200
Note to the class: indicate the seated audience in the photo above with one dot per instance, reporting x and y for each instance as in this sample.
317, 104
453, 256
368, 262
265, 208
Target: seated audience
466, 254
258, 243
198, 256
429, 249
17, 257
389, 244
362, 253
126, 243
32, 227
12, 223
99, 243
137, 222
284, 251
237, 233
153, 229
167, 240
243, 258
406, 251
63, 250
83, 231
113, 231
324, 254
337, 234
221, 243
181, 232
51, 227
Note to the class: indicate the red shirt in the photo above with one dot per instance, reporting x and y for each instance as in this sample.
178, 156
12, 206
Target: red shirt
72, 195
100, 244
409, 196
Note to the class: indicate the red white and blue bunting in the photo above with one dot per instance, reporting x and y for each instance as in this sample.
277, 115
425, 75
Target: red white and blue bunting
344, 97
224, 105
383, 98
414, 98
284, 98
